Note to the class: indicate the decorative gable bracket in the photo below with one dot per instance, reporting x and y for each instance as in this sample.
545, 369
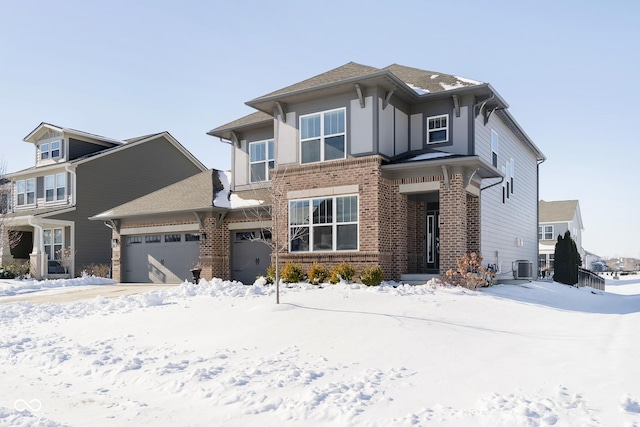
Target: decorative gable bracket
282, 109
387, 97
360, 95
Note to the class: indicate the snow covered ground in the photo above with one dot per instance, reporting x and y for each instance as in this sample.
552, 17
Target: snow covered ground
221, 353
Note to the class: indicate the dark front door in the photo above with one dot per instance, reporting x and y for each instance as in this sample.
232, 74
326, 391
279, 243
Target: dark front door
432, 251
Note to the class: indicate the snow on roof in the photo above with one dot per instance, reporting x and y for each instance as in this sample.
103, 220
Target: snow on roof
418, 90
429, 156
230, 200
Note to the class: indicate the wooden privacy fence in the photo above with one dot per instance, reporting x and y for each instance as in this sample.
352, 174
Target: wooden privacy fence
589, 278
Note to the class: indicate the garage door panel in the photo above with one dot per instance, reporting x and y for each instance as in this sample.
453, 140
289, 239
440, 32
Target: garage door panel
159, 262
251, 256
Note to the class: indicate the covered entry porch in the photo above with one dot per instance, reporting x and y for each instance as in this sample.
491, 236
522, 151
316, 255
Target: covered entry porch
44, 243
442, 217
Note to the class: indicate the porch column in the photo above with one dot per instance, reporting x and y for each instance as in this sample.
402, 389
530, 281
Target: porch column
5, 248
453, 222
37, 270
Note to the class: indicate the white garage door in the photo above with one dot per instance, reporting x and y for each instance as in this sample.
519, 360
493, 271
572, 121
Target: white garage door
160, 258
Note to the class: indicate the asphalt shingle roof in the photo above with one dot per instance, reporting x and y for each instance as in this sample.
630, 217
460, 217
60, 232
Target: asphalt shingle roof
194, 193
557, 211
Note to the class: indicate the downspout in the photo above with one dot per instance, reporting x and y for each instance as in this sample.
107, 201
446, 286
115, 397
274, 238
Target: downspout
538, 204
73, 182
39, 249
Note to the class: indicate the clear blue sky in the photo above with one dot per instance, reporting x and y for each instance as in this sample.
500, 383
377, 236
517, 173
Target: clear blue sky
569, 70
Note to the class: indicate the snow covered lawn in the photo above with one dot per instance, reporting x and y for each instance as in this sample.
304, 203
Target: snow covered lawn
221, 353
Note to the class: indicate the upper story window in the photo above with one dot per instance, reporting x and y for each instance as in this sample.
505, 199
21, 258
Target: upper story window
55, 187
261, 160
494, 148
323, 224
50, 150
545, 232
26, 192
323, 136
437, 129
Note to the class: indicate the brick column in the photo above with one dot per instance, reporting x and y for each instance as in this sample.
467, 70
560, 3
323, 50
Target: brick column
453, 222
473, 224
116, 256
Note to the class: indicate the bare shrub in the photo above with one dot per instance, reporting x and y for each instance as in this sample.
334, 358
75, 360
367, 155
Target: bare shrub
470, 273
98, 270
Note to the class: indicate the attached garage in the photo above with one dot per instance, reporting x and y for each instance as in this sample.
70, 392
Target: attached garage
250, 255
160, 257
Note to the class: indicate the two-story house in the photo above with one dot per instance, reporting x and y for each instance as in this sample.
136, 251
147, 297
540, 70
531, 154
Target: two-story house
394, 167
77, 175
556, 218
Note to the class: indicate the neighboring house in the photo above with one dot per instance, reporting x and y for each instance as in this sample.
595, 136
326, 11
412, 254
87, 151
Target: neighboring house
77, 175
556, 218
396, 167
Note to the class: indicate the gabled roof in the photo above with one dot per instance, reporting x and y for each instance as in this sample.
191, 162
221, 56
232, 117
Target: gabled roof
193, 194
559, 211
141, 140
43, 127
252, 120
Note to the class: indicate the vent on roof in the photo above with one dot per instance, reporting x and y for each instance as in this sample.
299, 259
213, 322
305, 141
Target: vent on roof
522, 269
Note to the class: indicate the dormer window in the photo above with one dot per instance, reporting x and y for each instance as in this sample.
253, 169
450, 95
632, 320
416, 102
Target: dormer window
50, 150
261, 160
323, 136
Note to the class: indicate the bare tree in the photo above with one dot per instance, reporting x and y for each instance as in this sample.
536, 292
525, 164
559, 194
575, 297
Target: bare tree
275, 207
8, 237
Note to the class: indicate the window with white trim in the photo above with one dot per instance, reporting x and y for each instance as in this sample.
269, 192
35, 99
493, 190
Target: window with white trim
438, 129
26, 192
50, 150
323, 136
261, 160
52, 240
494, 148
323, 224
55, 187
545, 232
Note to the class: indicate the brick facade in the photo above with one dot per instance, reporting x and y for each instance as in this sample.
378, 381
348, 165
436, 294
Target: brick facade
391, 224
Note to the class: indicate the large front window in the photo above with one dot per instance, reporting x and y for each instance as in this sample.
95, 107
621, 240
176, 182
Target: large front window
323, 224
26, 192
55, 187
261, 160
437, 129
323, 136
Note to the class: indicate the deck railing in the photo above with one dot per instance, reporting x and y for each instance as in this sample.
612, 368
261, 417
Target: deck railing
589, 278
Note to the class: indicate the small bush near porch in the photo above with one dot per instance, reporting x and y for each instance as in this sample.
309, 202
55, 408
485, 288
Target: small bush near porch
470, 273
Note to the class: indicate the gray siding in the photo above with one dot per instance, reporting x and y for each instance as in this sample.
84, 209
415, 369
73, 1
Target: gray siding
111, 180
78, 148
362, 127
505, 224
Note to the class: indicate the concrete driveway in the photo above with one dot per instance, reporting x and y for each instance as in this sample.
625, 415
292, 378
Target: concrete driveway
75, 293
